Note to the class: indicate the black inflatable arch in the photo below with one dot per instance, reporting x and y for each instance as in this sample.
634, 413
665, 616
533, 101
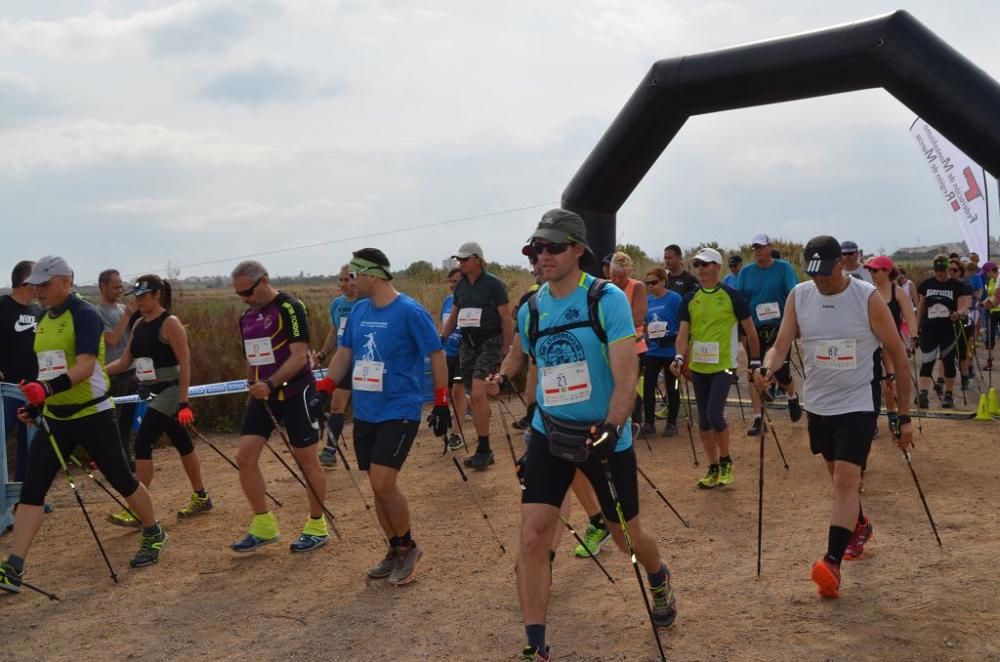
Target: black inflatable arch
895, 51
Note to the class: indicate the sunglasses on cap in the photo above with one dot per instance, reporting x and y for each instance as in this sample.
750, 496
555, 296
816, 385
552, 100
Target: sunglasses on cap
554, 248
249, 291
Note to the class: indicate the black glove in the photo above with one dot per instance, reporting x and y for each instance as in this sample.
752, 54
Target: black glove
319, 406
32, 411
439, 420
519, 467
603, 439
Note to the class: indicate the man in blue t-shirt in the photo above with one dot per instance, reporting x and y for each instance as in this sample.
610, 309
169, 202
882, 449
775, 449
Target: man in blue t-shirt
382, 352
766, 284
735, 264
340, 308
586, 387
452, 354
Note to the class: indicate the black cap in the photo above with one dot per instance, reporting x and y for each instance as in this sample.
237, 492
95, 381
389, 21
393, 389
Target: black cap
735, 259
143, 286
820, 255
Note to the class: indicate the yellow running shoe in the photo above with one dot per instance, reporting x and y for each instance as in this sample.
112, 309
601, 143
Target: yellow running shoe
124, 518
195, 506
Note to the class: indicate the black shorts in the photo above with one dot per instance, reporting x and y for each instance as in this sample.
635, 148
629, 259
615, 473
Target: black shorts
303, 429
481, 358
454, 368
842, 437
766, 335
547, 477
386, 443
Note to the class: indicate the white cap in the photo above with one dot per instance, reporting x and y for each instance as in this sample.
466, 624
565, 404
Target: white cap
468, 249
708, 255
760, 240
46, 268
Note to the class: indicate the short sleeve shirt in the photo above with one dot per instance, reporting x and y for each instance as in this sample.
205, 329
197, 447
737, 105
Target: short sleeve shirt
477, 305
766, 290
268, 334
714, 316
111, 314
396, 337
340, 308
683, 283
451, 343
663, 317
578, 351
941, 299
17, 337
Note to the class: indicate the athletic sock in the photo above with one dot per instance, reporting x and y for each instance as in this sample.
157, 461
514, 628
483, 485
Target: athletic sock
597, 521
837, 543
335, 424
484, 444
405, 540
201, 493
794, 396
725, 460
315, 526
658, 578
395, 542
536, 636
552, 556
16, 562
152, 530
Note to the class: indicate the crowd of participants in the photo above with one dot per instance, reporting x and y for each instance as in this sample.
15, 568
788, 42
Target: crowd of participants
592, 351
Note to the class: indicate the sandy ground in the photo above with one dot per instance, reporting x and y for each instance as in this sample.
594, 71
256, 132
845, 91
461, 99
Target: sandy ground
907, 600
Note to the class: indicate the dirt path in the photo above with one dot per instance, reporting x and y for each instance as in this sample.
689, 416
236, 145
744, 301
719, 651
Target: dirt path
907, 600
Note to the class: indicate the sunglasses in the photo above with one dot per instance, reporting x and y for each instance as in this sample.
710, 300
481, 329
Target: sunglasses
554, 248
651, 283
249, 291
463, 260
850, 253
698, 264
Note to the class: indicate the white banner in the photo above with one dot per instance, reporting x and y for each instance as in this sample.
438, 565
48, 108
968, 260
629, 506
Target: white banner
961, 182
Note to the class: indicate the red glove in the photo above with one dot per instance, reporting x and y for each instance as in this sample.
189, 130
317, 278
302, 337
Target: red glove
34, 391
326, 386
184, 414
441, 396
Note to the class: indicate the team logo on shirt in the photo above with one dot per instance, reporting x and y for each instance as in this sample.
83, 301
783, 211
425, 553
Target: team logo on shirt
370, 352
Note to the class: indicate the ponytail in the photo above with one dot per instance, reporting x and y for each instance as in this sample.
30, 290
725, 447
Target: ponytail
166, 294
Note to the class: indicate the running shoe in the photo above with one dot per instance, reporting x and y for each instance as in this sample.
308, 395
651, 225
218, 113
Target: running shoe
328, 458
480, 461
725, 473
662, 413
769, 394
758, 423
648, 428
711, 479
454, 442
863, 532
594, 539
923, 401
670, 430
196, 506
10, 579
827, 578
948, 401
307, 542
664, 604
794, 409
384, 568
150, 548
532, 654
521, 423
406, 566
124, 518
250, 543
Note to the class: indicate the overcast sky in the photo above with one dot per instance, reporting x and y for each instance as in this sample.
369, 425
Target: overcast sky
133, 133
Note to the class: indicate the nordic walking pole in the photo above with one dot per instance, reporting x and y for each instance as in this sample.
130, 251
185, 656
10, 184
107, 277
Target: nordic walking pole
760, 504
923, 499
916, 389
50, 596
631, 551
739, 396
798, 353
458, 420
226, 458
304, 480
687, 399
770, 424
662, 498
475, 498
101, 485
354, 480
72, 486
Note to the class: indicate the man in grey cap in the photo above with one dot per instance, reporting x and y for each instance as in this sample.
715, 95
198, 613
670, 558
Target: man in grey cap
582, 337
852, 261
482, 311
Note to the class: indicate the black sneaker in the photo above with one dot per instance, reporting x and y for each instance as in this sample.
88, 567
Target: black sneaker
532, 654
648, 428
948, 401
150, 548
670, 430
480, 461
754, 430
664, 604
794, 409
923, 401
522, 423
384, 568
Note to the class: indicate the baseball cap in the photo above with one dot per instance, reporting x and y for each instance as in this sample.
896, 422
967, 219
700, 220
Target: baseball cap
880, 262
940, 265
468, 249
46, 268
735, 259
608, 258
760, 240
989, 266
561, 226
143, 286
708, 255
849, 247
821, 255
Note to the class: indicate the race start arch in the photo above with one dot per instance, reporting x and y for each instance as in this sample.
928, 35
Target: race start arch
895, 52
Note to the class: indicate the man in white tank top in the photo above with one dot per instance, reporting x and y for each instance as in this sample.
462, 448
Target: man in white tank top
842, 325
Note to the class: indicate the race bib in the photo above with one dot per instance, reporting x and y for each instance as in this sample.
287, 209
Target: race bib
938, 311
367, 376
144, 369
837, 354
259, 351
470, 317
768, 311
705, 352
565, 384
51, 364
656, 330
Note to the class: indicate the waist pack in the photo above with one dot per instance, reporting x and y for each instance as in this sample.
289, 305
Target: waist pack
65, 411
145, 392
567, 439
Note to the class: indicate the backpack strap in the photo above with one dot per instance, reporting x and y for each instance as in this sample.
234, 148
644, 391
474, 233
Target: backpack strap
594, 294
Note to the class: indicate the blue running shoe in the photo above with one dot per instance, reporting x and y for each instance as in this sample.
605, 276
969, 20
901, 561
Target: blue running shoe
307, 542
250, 543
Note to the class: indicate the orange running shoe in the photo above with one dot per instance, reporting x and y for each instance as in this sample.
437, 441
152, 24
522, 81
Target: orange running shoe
827, 578
863, 532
